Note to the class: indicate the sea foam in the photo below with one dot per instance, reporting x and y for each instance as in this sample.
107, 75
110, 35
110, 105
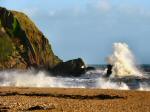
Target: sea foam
123, 61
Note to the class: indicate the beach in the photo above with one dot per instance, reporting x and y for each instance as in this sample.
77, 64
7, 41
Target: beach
73, 100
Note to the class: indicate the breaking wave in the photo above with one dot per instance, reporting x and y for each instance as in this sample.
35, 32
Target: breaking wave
93, 79
123, 61
125, 75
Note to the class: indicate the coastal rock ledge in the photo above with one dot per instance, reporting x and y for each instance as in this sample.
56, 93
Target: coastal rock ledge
23, 45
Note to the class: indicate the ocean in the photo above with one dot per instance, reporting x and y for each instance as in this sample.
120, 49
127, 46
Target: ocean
91, 79
125, 75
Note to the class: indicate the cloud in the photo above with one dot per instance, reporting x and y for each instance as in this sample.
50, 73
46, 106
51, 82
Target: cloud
103, 5
52, 13
133, 10
93, 26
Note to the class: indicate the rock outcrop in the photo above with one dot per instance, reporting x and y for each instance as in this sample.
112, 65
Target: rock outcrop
23, 45
70, 68
109, 70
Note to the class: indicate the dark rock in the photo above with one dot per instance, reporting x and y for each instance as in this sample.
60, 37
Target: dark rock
109, 70
4, 108
38, 107
74, 67
90, 68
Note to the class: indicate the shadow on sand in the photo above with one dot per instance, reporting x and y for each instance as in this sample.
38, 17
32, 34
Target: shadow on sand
81, 97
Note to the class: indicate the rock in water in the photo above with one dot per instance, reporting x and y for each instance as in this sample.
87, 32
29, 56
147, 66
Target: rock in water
89, 68
74, 67
23, 45
109, 70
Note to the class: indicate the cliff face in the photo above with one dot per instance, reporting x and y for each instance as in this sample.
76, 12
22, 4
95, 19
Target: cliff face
22, 45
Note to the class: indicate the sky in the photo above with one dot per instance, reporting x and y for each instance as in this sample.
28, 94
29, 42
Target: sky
88, 28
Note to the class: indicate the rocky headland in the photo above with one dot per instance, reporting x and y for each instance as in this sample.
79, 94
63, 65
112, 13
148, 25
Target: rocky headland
23, 45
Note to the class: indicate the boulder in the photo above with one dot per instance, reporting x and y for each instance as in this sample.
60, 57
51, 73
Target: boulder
74, 67
109, 70
89, 68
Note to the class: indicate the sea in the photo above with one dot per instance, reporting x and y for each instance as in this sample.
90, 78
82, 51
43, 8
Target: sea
126, 75
94, 79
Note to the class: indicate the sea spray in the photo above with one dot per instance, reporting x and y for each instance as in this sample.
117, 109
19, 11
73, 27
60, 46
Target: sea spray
33, 78
95, 79
28, 78
123, 61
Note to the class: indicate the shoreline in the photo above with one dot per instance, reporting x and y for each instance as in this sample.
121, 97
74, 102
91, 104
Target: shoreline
73, 100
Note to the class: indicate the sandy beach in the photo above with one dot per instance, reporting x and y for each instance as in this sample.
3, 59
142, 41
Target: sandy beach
72, 100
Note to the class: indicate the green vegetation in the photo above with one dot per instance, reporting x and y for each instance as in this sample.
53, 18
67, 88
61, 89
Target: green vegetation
0, 23
21, 40
6, 48
16, 27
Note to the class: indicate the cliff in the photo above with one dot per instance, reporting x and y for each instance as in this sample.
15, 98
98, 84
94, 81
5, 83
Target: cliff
22, 44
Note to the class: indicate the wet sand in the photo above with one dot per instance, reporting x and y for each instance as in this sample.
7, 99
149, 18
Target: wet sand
72, 100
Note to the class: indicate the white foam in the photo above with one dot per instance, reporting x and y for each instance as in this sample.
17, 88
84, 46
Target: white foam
31, 78
123, 61
107, 84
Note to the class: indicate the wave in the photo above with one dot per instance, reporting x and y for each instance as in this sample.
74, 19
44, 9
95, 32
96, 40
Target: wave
93, 79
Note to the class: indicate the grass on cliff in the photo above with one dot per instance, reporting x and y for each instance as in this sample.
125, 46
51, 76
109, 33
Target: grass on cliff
30, 36
6, 48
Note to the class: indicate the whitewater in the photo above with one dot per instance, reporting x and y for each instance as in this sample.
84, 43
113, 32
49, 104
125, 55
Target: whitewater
125, 75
